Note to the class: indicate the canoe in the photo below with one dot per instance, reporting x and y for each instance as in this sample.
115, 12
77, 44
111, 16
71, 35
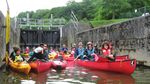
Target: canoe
39, 66
70, 62
124, 66
118, 58
20, 67
59, 65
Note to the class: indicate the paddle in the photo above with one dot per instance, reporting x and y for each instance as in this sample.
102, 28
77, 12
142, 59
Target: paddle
76, 57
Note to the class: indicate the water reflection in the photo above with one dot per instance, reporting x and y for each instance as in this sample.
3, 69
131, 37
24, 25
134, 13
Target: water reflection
76, 75
39, 78
113, 78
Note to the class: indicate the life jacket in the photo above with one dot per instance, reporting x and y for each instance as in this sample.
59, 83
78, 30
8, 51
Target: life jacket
106, 52
53, 55
91, 51
80, 51
18, 58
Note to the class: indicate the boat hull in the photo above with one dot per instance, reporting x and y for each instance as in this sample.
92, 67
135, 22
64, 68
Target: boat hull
59, 65
39, 66
20, 67
70, 62
125, 66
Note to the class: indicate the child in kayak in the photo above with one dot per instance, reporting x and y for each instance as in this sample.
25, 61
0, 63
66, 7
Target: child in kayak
107, 51
79, 52
64, 49
16, 55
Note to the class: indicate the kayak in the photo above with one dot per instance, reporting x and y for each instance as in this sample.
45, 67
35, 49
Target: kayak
20, 67
39, 66
59, 65
70, 62
122, 66
53, 55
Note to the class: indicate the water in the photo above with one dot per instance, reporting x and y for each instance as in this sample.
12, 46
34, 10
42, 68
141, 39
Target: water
76, 75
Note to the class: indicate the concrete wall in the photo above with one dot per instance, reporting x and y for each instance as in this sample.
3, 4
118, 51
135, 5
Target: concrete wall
131, 37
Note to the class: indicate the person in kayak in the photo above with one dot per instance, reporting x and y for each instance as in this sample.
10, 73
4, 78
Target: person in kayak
27, 50
51, 50
38, 53
64, 49
89, 53
16, 55
53, 54
79, 52
45, 52
107, 51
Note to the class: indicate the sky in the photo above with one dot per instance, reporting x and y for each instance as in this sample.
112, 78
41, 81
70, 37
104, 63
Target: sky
17, 6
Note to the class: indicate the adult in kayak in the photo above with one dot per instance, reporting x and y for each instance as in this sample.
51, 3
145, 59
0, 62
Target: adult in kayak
79, 52
38, 53
64, 49
45, 52
89, 53
107, 51
16, 55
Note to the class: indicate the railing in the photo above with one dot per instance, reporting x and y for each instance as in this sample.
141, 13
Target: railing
30, 23
143, 11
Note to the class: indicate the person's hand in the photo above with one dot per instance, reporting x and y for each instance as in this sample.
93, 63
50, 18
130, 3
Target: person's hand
24, 61
84, 56
78, 56
92, 54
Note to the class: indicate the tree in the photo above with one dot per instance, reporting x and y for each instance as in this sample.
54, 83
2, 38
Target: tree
112, 8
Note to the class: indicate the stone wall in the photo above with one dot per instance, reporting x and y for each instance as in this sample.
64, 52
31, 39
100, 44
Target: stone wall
2, 36
132, 35
14, 37
69, 32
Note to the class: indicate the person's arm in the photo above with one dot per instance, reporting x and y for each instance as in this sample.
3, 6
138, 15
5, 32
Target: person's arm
31, 57
12, 56
76, 53
23, 58
85, 53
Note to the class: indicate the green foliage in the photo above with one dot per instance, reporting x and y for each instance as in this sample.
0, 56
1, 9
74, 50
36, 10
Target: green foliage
106, 22
113, 8
93, 10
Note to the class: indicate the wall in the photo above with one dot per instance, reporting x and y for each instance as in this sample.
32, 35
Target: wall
2, 36
14, 38
69, 32
130, 37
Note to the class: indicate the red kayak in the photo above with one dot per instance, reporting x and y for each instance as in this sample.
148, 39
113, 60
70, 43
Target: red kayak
39, 66
125, 66
59, 65
70, 62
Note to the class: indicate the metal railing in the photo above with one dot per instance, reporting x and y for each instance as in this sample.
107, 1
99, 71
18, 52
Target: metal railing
40, 23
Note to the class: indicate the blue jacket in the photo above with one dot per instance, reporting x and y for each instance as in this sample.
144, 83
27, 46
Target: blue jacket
79, 51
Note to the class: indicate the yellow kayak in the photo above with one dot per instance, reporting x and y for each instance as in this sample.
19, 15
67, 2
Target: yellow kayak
20, 67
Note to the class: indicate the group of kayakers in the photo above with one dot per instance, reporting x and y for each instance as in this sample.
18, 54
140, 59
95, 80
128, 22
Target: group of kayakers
38, 53
90, 52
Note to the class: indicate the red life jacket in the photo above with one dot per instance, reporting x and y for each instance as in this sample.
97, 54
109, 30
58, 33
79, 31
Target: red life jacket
106, 52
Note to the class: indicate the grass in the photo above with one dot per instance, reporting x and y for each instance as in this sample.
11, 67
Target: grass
106, 22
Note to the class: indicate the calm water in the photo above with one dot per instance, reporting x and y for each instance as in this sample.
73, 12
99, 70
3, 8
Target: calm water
76, 75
